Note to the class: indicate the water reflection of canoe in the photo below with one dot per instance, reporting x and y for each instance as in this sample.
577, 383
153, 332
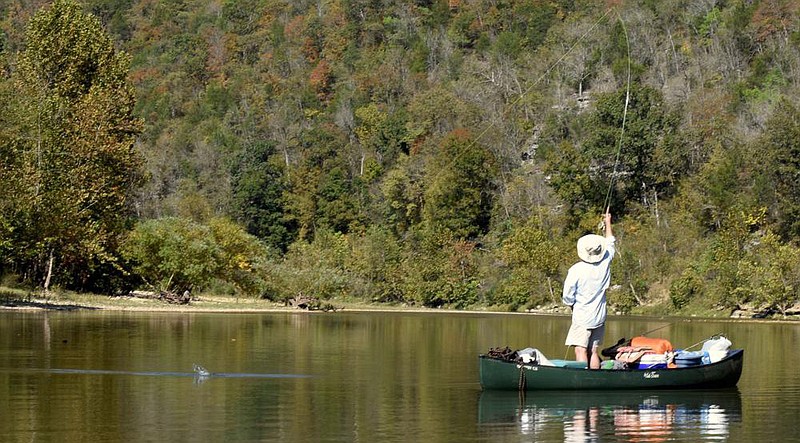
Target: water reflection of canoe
505, 375
498, 406
628, 413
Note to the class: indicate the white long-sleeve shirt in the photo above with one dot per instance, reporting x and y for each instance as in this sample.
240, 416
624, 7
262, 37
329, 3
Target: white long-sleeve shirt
585, 289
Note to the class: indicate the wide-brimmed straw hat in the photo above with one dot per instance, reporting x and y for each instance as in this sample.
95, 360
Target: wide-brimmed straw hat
591, 248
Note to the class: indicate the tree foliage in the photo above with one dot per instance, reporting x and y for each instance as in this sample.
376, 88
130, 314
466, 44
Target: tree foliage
69, 148
258, 186
459, 194
532, 263
428, 152
174, 254
617, 153
779, 168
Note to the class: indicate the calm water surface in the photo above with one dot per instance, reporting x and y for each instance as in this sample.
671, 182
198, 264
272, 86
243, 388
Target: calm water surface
364, 377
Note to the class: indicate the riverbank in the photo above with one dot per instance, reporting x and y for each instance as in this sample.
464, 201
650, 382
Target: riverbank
14, 299
222, 304
68, 301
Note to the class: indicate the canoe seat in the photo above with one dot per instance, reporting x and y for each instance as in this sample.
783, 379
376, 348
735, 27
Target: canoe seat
569, 364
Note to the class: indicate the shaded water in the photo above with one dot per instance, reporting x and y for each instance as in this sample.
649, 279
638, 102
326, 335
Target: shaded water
117, 376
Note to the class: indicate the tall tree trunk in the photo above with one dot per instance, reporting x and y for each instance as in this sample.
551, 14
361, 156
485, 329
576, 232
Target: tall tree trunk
655, 208
49, 273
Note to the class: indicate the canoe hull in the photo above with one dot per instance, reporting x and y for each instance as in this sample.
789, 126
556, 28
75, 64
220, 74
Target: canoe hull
503, 375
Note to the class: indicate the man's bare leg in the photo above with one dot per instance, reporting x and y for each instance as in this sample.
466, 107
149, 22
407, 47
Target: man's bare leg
594, 360
580, 354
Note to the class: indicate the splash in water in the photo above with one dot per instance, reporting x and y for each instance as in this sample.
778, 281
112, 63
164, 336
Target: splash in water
201, 371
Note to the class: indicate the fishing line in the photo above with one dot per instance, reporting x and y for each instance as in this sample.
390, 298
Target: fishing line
607, 201
644, 334
703, 341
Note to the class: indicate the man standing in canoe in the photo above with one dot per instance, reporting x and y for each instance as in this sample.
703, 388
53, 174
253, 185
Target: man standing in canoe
585, 292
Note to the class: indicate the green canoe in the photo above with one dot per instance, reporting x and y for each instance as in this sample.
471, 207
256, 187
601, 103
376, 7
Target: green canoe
496, 374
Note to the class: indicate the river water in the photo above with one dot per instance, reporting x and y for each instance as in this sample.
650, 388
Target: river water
92, 376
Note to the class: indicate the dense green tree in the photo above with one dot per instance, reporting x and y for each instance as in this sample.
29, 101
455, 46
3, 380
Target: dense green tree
571, 179
70, 149
402, 190
315, 268
259, 188
438, 269
337, 205
11, 206
376, 264
112, 13
778, 156
175, 254
716, 191
620, 166
459, 194
719, 277
324, 192
382, 133
532, 261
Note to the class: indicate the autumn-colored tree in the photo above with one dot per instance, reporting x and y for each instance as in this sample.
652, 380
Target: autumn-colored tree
321, 79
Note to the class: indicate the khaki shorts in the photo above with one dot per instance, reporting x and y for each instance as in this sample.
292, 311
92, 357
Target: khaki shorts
580, 336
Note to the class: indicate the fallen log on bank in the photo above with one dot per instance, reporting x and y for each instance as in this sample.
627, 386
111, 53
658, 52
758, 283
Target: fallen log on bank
167, 296
309, 303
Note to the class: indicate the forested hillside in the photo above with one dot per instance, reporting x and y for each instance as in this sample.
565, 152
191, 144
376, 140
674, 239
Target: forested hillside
437, 153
